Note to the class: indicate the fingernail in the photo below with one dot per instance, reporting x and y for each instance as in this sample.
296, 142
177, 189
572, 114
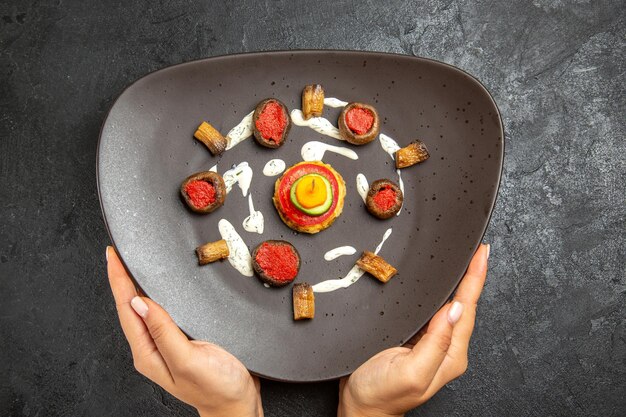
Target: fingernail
454, 314
107, 253
139, 306
488, 249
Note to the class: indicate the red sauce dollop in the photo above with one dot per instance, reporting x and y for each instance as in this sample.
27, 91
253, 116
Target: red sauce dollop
278, 261
359, 120
271, 122
201, 193
385, 198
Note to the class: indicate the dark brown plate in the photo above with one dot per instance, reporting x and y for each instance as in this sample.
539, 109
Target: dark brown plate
146, 149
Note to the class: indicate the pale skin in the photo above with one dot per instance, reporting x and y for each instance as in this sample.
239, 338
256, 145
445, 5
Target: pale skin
217, 384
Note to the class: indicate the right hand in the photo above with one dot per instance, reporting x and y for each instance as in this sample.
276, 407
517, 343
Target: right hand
402, 378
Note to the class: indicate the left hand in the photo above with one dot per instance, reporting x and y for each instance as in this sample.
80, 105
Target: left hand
199, 373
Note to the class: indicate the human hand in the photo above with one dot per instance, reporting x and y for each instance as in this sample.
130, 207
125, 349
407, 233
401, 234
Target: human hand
399, 379
199, 373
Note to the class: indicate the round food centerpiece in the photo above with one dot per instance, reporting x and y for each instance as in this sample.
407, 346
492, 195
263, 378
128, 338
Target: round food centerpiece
309, 196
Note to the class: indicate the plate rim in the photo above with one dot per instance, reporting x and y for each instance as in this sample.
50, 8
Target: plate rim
283, 52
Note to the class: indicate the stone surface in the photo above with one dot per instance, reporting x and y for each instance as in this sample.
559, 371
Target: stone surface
551, 331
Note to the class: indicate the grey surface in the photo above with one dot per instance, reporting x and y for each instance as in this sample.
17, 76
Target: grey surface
551, 332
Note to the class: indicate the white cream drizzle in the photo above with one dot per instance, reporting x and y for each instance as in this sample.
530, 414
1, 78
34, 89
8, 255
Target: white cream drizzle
319, 124
240, 132
254, 223
239, 256
385, 237
314, 151
340, 251
351, 277
391, 147
362, 186
273, 167
334, 102
240, 174
400, 182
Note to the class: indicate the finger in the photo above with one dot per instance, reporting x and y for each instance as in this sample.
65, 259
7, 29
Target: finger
468, 293
470, 288
171, 342
147, 358
428, 354
473, 282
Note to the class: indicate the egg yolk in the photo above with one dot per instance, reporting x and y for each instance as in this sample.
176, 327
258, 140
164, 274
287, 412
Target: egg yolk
311, 191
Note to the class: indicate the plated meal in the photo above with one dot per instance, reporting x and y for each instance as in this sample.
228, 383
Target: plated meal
308, 196
147, 149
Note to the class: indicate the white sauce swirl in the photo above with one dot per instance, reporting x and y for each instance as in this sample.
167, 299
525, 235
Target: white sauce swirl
240, 132
391, 147
274, 167
254, 223
239, 256
362, 186
385, 237
334, 102
314, 151
340, 251
240, 174
353, 275
319, 124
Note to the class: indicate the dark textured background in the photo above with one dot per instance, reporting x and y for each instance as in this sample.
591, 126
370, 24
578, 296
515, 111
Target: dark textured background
551, 333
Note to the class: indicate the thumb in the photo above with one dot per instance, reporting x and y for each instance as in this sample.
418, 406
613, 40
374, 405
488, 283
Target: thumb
428, 354
168, 338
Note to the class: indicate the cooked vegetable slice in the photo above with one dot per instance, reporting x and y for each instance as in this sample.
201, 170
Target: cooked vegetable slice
376, 266
414, 153
303, 301
213, 139
212, 251
312, 101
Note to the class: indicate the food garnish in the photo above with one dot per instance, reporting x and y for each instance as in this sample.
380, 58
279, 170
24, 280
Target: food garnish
359, 123
312, 194
210, 136
212, 251
384, 199
303, 301
312, 101
376, 266
414, 153
271, 123
204, 191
